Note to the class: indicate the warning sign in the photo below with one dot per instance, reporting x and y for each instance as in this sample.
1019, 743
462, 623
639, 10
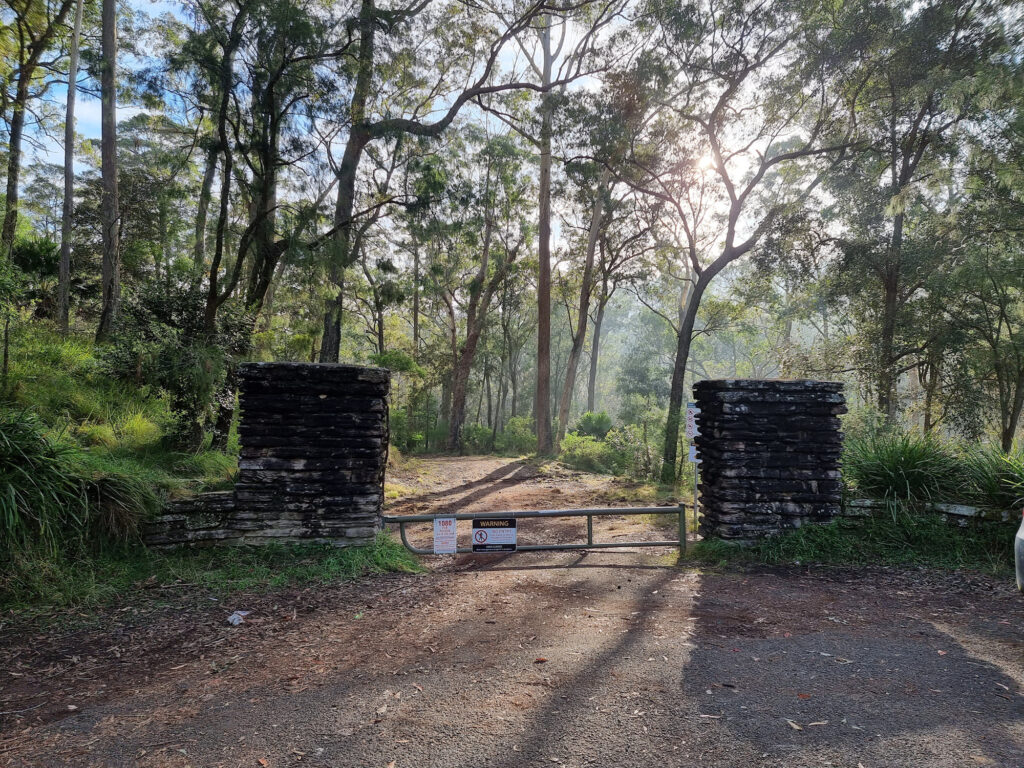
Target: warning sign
692, 414
494, 534
444, 536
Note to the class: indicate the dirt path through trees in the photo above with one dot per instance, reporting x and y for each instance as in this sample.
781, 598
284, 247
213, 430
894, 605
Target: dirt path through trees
539, 659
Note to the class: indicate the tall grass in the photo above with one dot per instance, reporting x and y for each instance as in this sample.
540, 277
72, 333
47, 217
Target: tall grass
41, 496
911, 470
900, 467
53, 493
997, 478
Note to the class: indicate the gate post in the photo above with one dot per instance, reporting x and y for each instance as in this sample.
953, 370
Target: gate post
682, 529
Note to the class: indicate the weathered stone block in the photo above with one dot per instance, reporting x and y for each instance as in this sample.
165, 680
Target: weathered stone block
313, 450
770, 454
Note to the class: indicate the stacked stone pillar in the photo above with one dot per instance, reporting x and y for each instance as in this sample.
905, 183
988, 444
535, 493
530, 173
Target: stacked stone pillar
770, 455
314, 442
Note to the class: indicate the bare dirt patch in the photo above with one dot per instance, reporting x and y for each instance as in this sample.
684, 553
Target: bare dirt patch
571, 659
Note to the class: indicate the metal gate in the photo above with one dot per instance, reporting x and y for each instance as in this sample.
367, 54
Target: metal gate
402, 520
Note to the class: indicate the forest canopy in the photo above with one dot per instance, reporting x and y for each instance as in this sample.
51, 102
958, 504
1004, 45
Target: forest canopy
547, 218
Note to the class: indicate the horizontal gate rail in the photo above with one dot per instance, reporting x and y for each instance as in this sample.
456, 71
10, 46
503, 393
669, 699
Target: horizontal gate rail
402, 520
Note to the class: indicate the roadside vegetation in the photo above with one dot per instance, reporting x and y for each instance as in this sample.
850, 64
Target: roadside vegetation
114, 573
85, 458
909, 473
901, 538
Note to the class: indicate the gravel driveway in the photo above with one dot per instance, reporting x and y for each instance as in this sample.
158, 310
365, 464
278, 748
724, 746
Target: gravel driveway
537, 659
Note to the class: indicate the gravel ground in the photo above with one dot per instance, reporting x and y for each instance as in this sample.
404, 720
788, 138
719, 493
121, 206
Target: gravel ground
553, 659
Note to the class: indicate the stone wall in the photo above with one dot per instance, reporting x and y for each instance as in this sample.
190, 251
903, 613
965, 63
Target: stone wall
770, 452
314, 442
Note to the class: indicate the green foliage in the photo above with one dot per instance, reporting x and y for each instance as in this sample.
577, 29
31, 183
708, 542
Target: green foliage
397, 361
517, 438
902, 467
81, 457
901, 539
594, 424
96, 434
161, 344
59, 379
907, 469
108, 576
592, 455
54, 494
639, 458
477, 438
138, 431
997, 478
40, 494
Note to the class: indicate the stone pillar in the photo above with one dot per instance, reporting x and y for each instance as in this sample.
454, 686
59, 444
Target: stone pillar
770, 453
314, 441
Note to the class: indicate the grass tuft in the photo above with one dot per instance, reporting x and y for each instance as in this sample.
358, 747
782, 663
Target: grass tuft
903, 467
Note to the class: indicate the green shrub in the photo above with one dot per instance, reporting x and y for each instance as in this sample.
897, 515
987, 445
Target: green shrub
997, 477
96, 434
904, 468
477, 438
118, 496
592, 455
137, 431
593, 424
41, 496
161, 343
517, 438
54, 494
639, 457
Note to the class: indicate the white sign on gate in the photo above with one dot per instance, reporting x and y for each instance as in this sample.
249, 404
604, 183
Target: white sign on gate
444, 536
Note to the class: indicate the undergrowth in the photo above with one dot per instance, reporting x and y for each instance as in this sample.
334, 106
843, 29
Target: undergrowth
84, 460
38, 582
904, 468
903, 538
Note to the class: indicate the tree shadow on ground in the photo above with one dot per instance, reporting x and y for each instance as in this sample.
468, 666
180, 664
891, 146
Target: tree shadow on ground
509, 474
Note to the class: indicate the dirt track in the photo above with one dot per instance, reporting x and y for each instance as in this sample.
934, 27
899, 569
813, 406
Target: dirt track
555, 659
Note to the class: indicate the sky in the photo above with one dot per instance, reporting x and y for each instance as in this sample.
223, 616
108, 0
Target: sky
50, 148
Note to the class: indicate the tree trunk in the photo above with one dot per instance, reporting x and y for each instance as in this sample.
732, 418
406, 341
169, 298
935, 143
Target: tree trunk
487, 386
689, 306
358, 138
542, 403
111, 272
64, 276
202, 212
475, 315
379, 319
415, 300
226, 75
268, 303
886, 381
595, 350
1012, 418
583, 310
15, 134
